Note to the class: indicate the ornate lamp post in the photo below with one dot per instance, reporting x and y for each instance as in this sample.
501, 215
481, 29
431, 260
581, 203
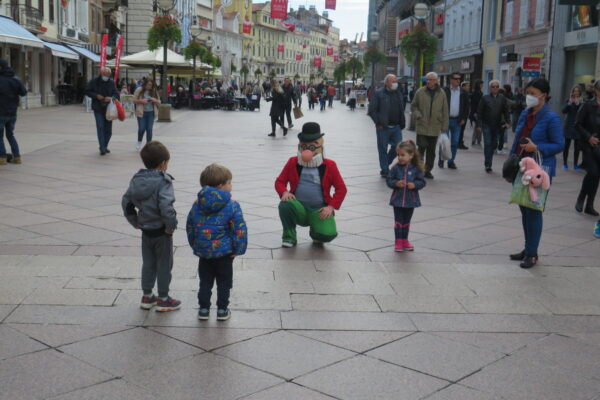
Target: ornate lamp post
421, 12
195, 31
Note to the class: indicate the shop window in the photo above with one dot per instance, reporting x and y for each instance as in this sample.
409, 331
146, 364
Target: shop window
508, 17
51, 10
523, 15
582, 17
492, 19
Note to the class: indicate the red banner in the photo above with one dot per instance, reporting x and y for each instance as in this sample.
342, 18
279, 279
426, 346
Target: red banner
118, 58
280, 48
304, 45
327, 27
247, 27
279, 9
103, 50
329, 50
317, 61
336, 58
298, 56
532, 63
330, 4
289, 27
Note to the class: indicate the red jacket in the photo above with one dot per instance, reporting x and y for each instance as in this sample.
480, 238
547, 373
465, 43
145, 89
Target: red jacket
330, 176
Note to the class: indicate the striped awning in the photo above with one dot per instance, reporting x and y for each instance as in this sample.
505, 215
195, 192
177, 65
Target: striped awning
85, 52
12, 32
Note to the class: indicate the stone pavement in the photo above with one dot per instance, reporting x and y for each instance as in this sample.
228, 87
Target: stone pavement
351, 320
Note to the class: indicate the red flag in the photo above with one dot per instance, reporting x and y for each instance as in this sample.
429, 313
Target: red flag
279, 9
304, 45
247, 27
280, 48
103, 50
298, 56
330, 50
327, 27
336, 58
118, 58
330, 4
317, 61
289, 27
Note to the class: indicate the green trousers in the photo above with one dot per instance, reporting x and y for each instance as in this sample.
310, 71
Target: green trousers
293, 213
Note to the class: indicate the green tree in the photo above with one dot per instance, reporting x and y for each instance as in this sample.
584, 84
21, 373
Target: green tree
233, 68
257, 73
339, 73
272, 73
355, 66
419, 44
164, 29
296, 77
244, 71
311, 77
374, 56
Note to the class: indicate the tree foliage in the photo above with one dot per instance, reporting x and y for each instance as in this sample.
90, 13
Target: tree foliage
257, 73
194, 50
164, 29
374, 56
339, 73
355, 66
419, 41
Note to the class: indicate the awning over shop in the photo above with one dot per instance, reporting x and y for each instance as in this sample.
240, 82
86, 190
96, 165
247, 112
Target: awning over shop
85, 52
61, 51
11, 32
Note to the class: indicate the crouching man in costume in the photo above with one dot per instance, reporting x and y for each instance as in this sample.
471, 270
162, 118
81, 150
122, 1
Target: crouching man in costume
309, 201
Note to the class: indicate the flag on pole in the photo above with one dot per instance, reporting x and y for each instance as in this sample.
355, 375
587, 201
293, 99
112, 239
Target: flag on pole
118, 58
280, 48
330, 4
247, 27
289, 27
329, 50
279, 9
298, 56
304, 45
317, 61
103, 50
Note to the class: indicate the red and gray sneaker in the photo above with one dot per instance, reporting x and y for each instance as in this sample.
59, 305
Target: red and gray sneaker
170, 304
148, 302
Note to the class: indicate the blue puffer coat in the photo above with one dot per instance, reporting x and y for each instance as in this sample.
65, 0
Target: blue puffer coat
405, 197
215, 225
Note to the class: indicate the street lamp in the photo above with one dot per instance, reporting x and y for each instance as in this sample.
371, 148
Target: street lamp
165, 7
195, 31
374, 36
421, 12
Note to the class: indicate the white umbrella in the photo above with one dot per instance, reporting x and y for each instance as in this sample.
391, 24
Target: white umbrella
155, 58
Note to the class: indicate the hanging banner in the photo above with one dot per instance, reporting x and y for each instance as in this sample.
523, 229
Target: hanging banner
279, 9
103, 50
247, 27
317, 61
330, 4
298, 56
327, 27
304, 45
64, 3
330, 50
289, 27
336, 58
118, 58
280, 48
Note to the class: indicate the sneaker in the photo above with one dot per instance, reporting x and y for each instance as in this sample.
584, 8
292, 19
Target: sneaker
287, 244
223, 315
170, 304
148, 302
488, 170
138, 145
408, 246
107, 150
440, 164
428, 175
597, 230
518, 256
529, 261
499, 152
16, 160
203, 314
285, 131
577, 167
272, 134
399, 245
461, 146
565, 167
103, 152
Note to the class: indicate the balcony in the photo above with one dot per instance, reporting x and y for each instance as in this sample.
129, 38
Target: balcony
31, 18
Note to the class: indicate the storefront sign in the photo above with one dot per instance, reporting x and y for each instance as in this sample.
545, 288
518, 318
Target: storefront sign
532, 63
505, 51
582, 37
530, 74
465, 65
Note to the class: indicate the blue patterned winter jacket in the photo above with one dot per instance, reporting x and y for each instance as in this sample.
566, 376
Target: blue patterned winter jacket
405, 197
215, 225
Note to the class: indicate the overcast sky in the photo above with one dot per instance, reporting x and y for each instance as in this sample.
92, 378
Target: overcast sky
349, 15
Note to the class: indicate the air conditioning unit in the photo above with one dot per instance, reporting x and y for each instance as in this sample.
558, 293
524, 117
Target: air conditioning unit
70, 32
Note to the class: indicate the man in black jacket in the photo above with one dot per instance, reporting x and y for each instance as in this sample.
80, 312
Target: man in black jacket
288, 96
458, 111
101, 90
386, 109
492, 115
10, 90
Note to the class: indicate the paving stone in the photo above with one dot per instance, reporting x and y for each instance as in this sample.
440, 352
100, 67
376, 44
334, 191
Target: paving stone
569, 323
131, 350
284, 354
211, 338
506, 343
351, 321
459, 392
84, 297
40, 314
333, 302
356, 341
253, 319
502, 305
260, 301
210, 372
289, 391
477, 323
366, 378
58, 335
419, 303
45, 374
115, 390
13, 343
5, 310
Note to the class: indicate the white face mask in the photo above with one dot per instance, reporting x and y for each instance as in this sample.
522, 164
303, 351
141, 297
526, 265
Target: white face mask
394, 86
104, 78
531, 101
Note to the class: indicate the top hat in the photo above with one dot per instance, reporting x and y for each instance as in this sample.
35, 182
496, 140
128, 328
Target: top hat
310, 131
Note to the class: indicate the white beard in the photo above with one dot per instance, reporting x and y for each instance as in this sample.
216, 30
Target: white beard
314, 163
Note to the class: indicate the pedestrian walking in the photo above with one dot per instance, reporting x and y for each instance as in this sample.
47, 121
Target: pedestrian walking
146, 102
330, 95
10, 90
492, 116
476, 95
298, 94
102, 90
277, 112
406, 179
587, 124
506, 91
311, 95
466, 86
322, 97
539, 130
458, 103
217, 233
570, 109
148, 205
288, 96
386, 109
430, 110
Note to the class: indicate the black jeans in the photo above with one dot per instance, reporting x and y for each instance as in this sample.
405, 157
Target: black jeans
575, 151
426, 146
288, 114
589, 186
221, 270
276, 120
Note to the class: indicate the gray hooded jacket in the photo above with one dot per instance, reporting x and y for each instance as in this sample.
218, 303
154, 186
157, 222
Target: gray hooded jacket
148, 202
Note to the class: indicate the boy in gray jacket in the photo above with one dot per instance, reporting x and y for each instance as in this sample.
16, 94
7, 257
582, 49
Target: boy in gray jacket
148, 205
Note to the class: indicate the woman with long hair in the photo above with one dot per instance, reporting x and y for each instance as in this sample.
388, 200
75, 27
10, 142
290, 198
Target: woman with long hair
146, 102
277, 100
570, 109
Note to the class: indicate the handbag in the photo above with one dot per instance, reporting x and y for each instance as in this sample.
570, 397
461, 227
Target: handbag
120, 110
511, 167
520, 192
445, 150
298, 113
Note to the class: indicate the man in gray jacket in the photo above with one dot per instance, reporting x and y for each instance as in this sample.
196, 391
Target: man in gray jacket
386, 109
148, 205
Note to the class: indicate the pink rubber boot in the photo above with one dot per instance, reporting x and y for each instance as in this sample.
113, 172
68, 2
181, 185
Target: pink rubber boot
407, 246
399, 247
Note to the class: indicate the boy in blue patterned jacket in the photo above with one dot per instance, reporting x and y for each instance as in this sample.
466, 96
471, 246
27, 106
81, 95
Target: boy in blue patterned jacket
217, 233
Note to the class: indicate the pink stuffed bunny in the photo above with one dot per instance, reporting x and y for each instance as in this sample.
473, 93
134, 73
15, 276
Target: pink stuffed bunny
533, 176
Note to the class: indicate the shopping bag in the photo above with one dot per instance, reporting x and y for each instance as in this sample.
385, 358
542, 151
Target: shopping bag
521, 196
120, 110
111, 111
254, 97
298, 113
445, 151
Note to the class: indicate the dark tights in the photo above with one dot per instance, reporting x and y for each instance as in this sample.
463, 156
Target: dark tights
589, 186
575, 151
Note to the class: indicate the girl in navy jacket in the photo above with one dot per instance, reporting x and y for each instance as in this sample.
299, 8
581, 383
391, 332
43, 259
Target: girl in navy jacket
406, 178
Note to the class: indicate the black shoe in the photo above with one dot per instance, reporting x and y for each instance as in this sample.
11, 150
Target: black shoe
285, 131
428, 175
272, 134
579, 203
441, 164
103, 152
461, 146
107, 150
589, 210
529, 261
291, 126
223, 314
451, 165
383, 174
518, 256
488, 170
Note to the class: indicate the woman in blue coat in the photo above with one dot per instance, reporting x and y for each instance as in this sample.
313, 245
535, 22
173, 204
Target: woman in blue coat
539, 130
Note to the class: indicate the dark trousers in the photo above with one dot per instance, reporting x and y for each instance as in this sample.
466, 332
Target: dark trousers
490, 143
322, 102
221, 270
103, 129
276, 120
402, 217
8, 124
288, 114
461, 140
311, 105
589, 186
575, 151
501, 138
330, 101
532, 228
157, 263
387, 141
426, 146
